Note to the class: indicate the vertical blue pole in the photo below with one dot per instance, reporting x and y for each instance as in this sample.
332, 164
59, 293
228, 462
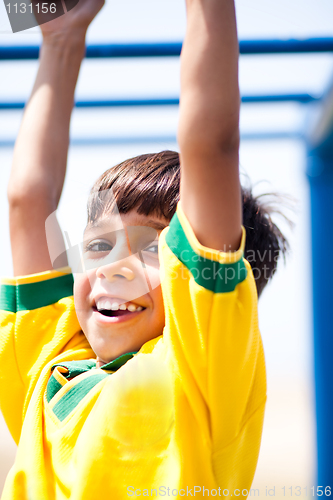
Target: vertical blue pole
320, 175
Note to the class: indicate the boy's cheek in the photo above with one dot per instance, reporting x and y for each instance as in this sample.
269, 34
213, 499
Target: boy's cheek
82, 289
152, 275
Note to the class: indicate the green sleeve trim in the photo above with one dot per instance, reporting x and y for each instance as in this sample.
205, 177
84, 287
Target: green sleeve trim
75, 395
210, 274
8, 298
44, 293
30, 296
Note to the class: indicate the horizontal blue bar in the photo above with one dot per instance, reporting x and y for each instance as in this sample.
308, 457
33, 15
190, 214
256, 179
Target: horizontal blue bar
109, 141
126, 102
252, 99
115, 50
301, 98
291, 46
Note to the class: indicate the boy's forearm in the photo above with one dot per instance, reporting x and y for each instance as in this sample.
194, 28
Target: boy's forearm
209, 104
40, 154
208, 131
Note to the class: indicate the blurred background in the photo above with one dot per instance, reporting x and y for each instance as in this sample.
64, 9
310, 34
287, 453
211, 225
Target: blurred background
287, 457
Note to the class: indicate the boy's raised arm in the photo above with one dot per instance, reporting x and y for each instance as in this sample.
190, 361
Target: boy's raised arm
208, 132
40, 155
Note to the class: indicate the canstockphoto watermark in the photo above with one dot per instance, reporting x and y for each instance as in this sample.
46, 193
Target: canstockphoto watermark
252, 256
26, 14
201, 491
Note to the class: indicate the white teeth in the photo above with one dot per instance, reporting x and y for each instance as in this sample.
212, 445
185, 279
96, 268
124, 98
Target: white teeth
106, 304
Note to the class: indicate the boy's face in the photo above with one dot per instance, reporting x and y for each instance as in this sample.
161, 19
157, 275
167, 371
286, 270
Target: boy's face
118, 299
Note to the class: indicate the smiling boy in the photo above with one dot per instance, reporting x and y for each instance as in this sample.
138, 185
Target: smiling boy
171, 389
111, 301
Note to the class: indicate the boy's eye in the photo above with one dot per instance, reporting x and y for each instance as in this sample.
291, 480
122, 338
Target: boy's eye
98, 246
152, 249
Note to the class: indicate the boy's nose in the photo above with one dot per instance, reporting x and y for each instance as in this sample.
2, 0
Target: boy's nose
119, 262
116, 270
118, 278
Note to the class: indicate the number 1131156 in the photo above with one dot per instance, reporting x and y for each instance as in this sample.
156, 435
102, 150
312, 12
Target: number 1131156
22, 8
297, 491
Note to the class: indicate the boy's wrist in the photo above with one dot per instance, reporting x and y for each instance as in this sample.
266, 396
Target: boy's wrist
62, 40
63, 48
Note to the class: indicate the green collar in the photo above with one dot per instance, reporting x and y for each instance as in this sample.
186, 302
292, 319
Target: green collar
115, 364
75, 368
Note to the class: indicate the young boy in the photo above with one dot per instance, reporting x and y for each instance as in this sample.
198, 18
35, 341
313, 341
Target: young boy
141, 389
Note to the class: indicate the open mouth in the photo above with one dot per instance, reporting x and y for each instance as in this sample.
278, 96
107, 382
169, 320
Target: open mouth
116, 307
109, 313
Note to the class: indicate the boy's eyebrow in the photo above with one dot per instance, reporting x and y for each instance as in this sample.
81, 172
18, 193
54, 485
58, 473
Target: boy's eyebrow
99, 223
159, 226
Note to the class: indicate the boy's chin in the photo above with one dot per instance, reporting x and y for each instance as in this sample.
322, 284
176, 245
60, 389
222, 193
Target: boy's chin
110, 348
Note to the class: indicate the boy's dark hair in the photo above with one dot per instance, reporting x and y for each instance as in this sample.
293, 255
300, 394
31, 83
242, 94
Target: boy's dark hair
150, 184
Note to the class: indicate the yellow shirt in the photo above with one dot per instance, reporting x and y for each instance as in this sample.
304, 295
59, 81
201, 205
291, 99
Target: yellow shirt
185, 412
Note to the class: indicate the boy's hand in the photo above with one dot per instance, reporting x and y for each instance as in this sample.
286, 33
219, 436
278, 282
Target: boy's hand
74, 23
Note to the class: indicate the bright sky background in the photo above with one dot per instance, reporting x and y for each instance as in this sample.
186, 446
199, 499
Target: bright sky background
285, 308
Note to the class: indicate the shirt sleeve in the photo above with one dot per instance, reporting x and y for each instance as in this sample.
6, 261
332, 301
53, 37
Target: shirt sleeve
212, 333
37, 323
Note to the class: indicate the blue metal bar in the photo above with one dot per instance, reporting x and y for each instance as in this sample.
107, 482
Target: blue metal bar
109, 141
301, 98
291, 46
320, 175
246, 47
104, 103
251, 99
